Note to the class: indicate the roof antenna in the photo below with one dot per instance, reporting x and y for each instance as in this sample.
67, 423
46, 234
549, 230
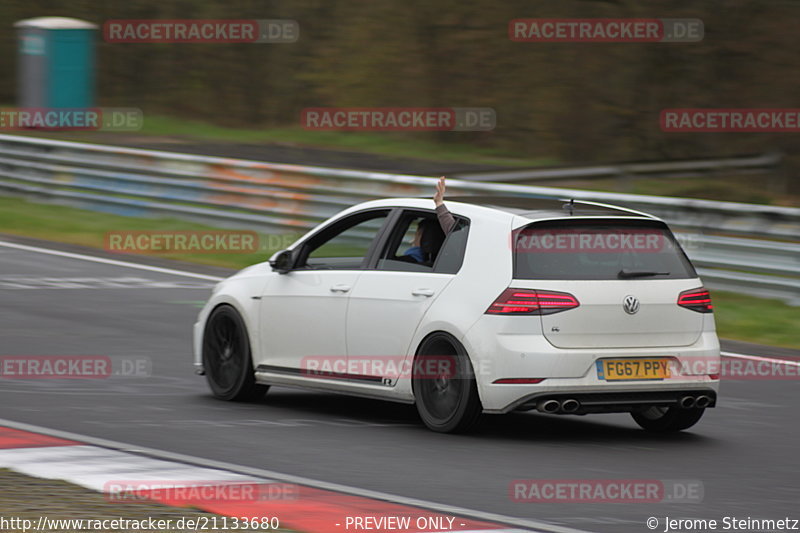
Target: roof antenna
570, 205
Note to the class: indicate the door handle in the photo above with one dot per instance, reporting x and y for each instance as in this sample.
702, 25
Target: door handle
340, 287
422, 292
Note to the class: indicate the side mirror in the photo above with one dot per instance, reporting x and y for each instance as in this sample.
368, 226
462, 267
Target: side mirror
282, 262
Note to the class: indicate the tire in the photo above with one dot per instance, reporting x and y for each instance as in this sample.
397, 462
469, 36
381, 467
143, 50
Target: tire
667, 419
448, 402
226, 357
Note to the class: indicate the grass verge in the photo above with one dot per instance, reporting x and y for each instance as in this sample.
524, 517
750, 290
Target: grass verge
738, 317
745, 318
384, 143
90, 228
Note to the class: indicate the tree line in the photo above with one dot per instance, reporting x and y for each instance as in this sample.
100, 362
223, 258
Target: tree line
577, 102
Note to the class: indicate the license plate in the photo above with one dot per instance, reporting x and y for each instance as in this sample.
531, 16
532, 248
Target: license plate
629, 369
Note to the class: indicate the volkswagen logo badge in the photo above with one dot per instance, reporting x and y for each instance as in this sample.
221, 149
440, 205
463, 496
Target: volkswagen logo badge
630, 304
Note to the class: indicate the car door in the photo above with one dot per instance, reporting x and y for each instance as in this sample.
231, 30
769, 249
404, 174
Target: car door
303, 312
390, 299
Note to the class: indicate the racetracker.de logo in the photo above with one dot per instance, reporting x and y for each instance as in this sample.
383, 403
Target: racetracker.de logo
738, 368
71, 119
201, 31
399, 118
241, 242
606, 30
532, 240
73, 366
187, 492
606, 491
730, 120
385, 367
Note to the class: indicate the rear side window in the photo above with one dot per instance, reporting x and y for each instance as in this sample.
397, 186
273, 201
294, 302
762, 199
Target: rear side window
452, 255
598, 249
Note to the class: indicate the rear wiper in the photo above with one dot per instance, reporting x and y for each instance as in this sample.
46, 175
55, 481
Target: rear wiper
628, 274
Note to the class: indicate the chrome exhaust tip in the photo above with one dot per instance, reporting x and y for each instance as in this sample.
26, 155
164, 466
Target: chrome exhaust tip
702, 401
549, 406
686, 402
570, 406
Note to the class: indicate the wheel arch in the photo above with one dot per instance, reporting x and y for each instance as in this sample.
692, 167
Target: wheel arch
457, 343
245, 314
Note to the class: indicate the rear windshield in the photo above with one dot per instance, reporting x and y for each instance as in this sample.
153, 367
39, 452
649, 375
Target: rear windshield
598, 249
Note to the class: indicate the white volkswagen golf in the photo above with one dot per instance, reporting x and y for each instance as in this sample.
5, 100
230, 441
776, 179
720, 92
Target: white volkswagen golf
495, 305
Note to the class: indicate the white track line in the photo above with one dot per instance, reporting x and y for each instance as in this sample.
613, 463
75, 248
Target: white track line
94, 468
288, 478
109, 261
760, 358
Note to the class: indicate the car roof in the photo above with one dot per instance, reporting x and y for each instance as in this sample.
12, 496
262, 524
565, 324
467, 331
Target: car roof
517, 206
547, 207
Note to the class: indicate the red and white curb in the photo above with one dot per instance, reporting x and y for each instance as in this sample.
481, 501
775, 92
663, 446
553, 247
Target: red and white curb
310, 507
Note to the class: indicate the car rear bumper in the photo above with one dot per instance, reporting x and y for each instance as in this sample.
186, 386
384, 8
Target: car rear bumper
498, 355
598, 398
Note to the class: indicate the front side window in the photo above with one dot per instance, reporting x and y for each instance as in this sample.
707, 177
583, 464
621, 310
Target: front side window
345, 245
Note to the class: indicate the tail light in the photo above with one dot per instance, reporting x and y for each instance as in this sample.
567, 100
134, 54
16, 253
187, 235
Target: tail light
697, 300
531, 302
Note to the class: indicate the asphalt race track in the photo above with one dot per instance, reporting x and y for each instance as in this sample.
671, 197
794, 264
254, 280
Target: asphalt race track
744, 452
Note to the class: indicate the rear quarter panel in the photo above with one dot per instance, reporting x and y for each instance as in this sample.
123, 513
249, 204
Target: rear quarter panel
485, 272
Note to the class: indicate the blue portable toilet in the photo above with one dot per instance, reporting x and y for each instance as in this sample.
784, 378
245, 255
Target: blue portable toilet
56, 63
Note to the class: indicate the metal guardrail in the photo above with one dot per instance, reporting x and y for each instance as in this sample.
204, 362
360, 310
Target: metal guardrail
753, 164
725, 239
